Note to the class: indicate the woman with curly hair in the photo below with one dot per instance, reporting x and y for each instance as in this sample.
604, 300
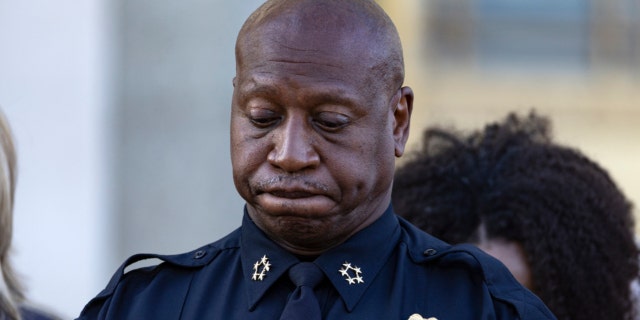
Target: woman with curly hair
554, 217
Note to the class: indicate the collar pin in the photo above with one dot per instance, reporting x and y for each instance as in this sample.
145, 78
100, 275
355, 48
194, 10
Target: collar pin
353, 277
260, 268
416, 316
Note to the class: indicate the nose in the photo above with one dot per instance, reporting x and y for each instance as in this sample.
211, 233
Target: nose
294, 148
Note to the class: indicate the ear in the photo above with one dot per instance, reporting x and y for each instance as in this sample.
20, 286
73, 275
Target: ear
402, 117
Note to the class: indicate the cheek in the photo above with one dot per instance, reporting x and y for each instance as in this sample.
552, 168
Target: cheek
364, 168
245, 161
246, 152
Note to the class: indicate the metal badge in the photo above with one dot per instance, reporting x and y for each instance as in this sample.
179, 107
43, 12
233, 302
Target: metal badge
416, 316
353, 277
263, 266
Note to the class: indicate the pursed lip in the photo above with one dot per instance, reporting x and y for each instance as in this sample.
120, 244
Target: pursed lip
291, 194
291, 191
287, 197
291, 188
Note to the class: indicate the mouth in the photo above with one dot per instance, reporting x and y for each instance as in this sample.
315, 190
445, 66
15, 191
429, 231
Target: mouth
294, 197
290, 187
292, 194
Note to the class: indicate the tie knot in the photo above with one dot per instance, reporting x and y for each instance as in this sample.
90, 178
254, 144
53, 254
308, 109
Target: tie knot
306, 274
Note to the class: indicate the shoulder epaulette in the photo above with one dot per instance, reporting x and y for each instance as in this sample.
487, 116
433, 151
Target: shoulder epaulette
194, 259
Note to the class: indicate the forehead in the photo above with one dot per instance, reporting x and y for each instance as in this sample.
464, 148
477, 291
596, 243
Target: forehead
312, 21
333, 34
276, 54
295, 42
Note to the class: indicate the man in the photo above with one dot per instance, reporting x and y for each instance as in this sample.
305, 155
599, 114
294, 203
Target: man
318, 116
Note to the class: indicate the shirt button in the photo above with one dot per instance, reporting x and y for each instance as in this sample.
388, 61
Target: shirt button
429, 252
199, 254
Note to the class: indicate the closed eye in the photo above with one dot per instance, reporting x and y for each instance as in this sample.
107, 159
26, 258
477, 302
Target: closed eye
263, 118
264, 122
331, 121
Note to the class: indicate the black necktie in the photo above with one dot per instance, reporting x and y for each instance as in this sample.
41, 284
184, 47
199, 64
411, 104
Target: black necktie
303, 303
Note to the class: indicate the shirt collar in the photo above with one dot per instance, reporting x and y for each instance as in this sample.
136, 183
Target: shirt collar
254, 245
368, 250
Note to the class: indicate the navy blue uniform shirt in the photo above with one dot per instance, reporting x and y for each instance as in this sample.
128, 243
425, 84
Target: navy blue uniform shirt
389, 270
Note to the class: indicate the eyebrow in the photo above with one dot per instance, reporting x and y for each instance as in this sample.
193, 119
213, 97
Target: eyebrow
254, 88
328, 96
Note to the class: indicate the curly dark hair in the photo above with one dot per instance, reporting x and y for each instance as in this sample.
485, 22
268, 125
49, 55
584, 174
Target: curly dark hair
574, 224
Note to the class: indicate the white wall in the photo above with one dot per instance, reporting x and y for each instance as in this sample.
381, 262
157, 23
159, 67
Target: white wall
53, 86
107, 98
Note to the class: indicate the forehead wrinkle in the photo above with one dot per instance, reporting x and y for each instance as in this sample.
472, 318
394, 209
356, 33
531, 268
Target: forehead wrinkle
278, 68
293, 51
302, 62
264, 53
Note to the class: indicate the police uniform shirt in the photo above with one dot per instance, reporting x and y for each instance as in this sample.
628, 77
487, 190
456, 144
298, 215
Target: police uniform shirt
389, 270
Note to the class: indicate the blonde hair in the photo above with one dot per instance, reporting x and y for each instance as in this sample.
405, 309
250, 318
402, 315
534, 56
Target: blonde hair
11, 293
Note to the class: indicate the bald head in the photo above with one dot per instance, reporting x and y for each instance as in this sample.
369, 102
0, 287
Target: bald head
329, 28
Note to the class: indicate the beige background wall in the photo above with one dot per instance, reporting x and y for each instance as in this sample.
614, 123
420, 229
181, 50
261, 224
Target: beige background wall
597, 111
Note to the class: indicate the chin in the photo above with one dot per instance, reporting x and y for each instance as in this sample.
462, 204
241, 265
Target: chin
302, 240
301, 228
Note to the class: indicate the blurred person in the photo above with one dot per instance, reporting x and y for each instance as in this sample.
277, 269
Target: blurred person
554, 217
319, 114
13, 304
